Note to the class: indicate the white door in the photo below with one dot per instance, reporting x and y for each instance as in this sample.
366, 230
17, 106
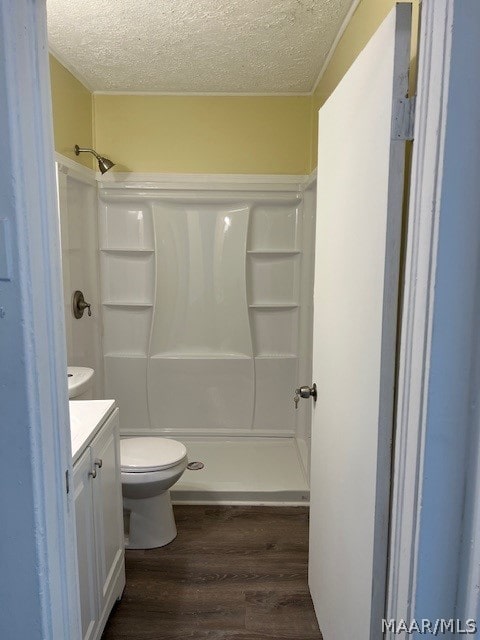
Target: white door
359, 211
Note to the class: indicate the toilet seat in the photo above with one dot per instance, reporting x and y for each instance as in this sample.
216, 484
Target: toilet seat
148, 454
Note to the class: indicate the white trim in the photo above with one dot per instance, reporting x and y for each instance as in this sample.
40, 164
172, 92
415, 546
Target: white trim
212, 434
201, 178
207, 94
419, 293
334, 46
185, 180
311, 180
32, 299
75, 169
202, 181
225, 181
182, 180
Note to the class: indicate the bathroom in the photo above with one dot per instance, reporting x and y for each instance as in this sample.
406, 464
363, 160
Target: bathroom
223, 284
187, 206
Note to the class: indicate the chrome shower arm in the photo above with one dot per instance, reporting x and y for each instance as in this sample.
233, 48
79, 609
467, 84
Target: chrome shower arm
79, 150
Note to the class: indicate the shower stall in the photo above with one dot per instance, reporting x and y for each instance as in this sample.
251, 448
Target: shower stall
206, 304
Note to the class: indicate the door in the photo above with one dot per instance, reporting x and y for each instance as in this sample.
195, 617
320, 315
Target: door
108, 509
87, 575
359, 211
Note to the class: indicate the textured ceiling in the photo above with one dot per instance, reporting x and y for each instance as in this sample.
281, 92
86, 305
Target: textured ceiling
231, 46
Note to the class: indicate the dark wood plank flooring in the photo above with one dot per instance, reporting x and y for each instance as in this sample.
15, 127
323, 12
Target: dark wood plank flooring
232, 573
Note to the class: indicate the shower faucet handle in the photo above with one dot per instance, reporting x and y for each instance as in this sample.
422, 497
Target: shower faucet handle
80, 304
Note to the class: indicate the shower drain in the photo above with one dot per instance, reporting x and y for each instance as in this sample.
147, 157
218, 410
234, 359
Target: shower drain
195, 466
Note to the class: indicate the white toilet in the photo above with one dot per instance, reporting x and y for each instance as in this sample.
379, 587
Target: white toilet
149, 467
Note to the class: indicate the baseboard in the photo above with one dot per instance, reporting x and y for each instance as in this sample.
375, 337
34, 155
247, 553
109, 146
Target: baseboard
241, 503
265, 498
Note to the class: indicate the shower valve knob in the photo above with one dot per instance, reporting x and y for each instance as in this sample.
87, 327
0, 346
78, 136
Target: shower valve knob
79, 305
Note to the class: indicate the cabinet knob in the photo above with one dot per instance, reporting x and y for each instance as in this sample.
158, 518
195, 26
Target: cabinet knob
92, 473
98, 463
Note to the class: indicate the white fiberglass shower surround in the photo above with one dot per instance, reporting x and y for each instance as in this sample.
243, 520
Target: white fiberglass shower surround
206, 303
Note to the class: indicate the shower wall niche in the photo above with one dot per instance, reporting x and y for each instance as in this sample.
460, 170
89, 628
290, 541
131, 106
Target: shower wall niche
202, 304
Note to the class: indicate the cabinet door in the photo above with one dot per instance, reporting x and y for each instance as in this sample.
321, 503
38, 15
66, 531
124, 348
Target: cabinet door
83, 496
108, 509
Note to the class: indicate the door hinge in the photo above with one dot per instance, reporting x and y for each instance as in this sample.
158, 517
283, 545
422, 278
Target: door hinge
67, 481
404, 119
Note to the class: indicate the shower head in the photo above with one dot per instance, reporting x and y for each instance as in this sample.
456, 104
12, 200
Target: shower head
104, 164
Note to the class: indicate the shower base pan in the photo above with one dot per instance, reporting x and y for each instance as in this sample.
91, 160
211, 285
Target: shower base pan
265, 471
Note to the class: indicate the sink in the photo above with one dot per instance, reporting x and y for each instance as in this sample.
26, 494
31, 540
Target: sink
79, 380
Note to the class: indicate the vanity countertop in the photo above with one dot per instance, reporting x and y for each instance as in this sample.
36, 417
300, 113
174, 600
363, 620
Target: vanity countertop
86, 418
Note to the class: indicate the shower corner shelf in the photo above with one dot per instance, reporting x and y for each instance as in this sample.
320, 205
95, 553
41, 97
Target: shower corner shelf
126, 250
276, 356
138, 305
274, 305
171, 355
273, 252
137, 355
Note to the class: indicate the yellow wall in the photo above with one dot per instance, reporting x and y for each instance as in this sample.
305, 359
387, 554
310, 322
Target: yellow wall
182, 134
365, 21
72, 113
204, 134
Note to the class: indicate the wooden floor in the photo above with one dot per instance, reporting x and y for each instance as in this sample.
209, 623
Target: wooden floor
232, 573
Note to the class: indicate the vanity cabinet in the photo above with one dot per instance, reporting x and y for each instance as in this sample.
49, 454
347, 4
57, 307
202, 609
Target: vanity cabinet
99, 526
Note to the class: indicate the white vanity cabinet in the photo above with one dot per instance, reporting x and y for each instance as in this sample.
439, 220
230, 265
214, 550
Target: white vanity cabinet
99, 526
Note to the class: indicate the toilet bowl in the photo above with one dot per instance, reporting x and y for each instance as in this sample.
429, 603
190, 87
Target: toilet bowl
149, 467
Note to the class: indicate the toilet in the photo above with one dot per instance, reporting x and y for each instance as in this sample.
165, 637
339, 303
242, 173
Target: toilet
149, 467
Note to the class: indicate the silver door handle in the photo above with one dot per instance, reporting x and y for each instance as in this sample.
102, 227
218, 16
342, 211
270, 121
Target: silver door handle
307, 392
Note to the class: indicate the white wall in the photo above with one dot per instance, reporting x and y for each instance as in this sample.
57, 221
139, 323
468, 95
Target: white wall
77, 197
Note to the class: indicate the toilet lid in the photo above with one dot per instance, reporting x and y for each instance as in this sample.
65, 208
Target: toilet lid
150, 454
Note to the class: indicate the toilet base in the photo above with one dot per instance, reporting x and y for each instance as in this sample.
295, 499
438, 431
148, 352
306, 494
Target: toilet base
151, 521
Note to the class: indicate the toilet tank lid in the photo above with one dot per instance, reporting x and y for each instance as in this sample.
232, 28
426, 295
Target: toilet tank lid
150, 454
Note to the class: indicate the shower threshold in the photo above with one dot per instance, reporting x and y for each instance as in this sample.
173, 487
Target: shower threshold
243, 470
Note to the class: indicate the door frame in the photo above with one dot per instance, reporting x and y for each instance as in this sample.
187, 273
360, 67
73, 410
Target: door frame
421, 387
33, 390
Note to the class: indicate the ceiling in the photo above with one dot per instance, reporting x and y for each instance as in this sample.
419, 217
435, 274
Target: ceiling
200, 46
